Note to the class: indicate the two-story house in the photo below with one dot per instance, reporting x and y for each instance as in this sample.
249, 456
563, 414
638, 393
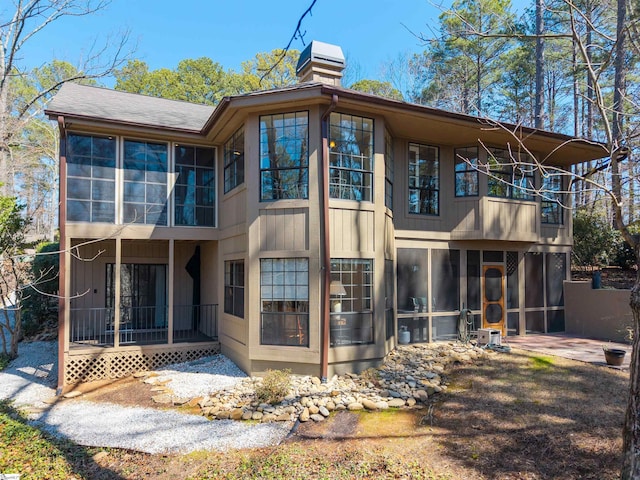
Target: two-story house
310, 227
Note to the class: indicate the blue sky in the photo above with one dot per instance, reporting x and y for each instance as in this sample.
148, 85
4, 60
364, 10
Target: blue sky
370, 32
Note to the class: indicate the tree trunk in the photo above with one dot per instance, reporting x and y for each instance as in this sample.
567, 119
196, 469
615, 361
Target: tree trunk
631, 434
539, 65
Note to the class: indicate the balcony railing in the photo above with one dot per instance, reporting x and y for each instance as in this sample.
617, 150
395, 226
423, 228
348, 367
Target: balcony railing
143, 325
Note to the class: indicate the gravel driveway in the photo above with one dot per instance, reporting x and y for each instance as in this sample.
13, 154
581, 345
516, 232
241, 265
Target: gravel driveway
31, 379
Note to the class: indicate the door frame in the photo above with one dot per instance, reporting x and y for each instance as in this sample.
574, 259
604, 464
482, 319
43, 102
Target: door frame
502, 325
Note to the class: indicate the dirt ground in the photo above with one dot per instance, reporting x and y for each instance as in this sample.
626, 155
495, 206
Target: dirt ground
515, 416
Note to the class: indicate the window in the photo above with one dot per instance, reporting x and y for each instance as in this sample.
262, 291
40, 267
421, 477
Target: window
195, 189
284, 156
388, 171
466, 162
91, 178
234, 161
145, 182
389, 294
424, 179
234, 288
284, 291
552, 198
350, 157
351, 294
507, 177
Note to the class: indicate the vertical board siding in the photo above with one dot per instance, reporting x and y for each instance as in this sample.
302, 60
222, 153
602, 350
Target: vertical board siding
352, 230
284, 229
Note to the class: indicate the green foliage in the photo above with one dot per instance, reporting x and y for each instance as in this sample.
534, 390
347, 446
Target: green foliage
26, 450
4, 361
283, 74
376, 87
623, 255
274, 386
40, 303
593, 239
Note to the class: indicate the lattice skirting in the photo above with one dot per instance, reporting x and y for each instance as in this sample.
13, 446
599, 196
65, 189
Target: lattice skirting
102, 365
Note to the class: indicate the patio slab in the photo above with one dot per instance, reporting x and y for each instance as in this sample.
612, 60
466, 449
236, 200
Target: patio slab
568, 346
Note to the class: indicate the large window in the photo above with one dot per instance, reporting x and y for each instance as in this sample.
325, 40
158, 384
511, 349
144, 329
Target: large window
424, 179
91, 178
284, 156
350, 157
234, 161
445, 280
467, 175
552, 199
234, 288
351, 293
284, 291
388, 170
508, 177
145, 182
195, 190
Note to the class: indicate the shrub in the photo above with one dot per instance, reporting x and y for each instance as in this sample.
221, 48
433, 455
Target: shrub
274, 386
40, 309
593, 239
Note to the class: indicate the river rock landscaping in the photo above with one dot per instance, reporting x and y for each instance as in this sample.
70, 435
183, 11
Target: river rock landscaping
409, 377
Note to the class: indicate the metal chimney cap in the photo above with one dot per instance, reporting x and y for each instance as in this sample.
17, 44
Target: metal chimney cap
323, 54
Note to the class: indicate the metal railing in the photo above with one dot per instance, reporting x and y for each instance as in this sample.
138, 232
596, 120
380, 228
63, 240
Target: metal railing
143, 325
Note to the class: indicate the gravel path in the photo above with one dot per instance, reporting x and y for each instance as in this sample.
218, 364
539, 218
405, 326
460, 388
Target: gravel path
31, 379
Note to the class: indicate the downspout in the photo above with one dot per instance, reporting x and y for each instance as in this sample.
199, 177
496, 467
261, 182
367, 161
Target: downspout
326, 250
62, 218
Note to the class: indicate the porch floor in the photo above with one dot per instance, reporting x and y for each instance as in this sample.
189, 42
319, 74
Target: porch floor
143, 338
567, 346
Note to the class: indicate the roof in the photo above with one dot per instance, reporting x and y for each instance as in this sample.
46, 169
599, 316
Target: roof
130, 108
105, 105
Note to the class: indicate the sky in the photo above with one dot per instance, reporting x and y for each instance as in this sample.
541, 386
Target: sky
370, 32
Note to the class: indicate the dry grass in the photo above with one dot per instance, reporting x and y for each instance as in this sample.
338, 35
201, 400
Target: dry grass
516, 416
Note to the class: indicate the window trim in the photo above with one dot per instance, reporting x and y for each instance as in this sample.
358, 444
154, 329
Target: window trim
303, 163
367, 187
235, 289
214, 169
123, 181
553, 199
468, 170
302, 331
239, 157
418, 176
389, 170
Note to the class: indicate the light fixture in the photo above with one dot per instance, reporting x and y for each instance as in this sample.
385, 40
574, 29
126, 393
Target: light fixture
336, 289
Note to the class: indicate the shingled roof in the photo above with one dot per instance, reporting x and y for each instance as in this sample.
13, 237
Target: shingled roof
129, 108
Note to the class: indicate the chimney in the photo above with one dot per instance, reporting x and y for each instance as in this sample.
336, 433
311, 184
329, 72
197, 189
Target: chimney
321, 62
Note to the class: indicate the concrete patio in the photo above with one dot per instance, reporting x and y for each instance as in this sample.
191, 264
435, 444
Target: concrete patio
568, 346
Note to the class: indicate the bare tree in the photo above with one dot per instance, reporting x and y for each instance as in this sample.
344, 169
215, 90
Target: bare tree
17, 27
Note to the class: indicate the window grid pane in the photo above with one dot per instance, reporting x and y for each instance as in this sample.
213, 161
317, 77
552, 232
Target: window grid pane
509, 178
284, 156
352, 323
552, 200
467, 177
388, 170
234, 161
350, 157
145, 182
195, 186
91, 166
234, 288
424, 179
284, 292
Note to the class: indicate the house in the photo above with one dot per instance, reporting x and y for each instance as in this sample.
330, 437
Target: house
310, 227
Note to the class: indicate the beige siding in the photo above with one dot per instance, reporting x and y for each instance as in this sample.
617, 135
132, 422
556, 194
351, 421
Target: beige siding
351, 230
284, 229
233, 207
465, 215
